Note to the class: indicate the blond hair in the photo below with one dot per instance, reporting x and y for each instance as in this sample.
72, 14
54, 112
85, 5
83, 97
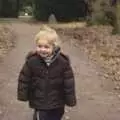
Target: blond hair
48, 34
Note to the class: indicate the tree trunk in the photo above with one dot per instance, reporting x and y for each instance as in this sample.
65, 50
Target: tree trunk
117, 11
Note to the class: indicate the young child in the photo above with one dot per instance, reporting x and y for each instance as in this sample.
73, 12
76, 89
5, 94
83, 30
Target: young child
46, 79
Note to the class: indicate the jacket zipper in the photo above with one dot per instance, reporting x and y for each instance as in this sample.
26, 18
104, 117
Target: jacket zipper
46, 87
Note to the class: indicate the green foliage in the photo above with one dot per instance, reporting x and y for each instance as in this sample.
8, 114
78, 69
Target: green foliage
26, 9
64, 10
9, 8
41, 9
24, 3
26, 6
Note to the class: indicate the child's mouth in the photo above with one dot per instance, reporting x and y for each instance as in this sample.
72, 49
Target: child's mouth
43, 54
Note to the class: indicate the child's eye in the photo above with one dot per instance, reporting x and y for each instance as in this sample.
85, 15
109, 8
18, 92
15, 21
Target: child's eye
46, 46
39, 46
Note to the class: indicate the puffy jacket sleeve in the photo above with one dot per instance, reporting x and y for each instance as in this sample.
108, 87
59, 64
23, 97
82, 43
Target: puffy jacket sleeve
69, 85
23, 82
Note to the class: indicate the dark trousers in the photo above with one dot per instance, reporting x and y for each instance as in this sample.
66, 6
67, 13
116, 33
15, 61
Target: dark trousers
54, 114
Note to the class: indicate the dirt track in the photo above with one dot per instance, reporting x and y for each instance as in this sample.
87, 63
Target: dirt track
94, 100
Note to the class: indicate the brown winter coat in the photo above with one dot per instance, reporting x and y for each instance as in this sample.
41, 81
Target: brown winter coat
47, 87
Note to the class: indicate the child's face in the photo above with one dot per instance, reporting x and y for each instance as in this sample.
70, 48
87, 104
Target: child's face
43, 48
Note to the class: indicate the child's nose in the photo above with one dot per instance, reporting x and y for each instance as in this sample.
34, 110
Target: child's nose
43, 48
